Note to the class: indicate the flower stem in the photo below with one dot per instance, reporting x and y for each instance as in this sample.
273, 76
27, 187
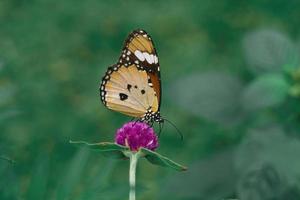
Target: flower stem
132, 171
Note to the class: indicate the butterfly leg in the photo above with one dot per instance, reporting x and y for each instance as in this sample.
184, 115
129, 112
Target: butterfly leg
151, 124
136, 120
132, 119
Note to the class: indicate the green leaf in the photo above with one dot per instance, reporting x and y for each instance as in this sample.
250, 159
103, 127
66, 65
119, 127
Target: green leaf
213, 177
111, 149
295, 90
266, 91
269, 146
263, 183
211, 95
108, 149
157, 159
268, 50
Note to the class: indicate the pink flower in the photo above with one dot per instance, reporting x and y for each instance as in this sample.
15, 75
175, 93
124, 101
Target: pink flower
136, 135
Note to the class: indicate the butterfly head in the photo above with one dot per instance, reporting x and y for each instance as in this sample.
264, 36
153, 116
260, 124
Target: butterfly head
158, 118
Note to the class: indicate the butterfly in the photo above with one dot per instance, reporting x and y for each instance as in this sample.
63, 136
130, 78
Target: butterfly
132, 86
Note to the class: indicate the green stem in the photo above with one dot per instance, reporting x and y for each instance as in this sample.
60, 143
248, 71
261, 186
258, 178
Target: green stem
7, 159
132, 171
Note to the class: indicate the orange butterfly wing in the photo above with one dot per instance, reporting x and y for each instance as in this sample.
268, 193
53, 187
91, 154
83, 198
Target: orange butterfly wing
139, 50
126, 90
133, 86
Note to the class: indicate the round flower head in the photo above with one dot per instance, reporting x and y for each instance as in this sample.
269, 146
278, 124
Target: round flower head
136, 135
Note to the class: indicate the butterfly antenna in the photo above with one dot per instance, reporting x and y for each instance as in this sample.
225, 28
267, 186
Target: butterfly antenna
161, 126
150, 125
178, 131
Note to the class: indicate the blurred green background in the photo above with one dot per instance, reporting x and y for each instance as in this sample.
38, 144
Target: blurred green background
231, 84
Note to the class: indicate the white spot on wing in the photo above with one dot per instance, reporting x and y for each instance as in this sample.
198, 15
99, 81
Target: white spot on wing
152, 58
148, 57
155, 59
139, 55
